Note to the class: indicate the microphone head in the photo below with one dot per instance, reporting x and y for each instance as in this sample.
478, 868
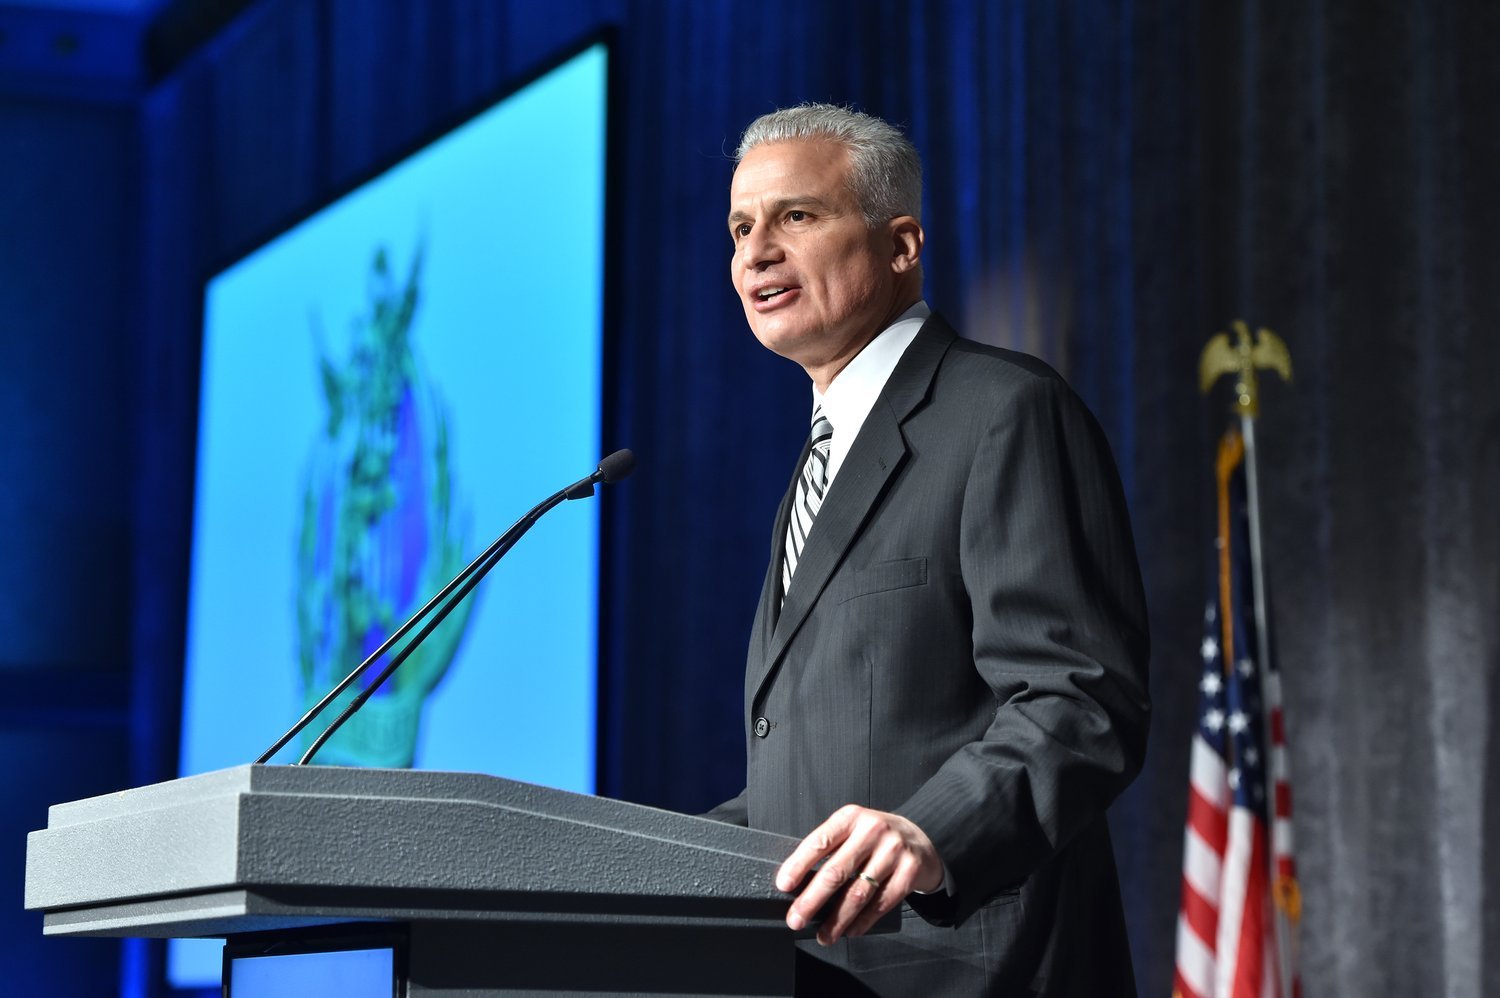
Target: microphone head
617, 466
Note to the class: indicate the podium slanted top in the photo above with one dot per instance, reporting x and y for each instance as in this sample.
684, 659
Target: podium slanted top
270, 847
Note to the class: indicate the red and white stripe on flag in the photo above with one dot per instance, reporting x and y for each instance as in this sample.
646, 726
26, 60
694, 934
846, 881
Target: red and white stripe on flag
1237, 841
1225, 931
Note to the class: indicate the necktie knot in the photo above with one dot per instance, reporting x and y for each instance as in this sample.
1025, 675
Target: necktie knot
822, 429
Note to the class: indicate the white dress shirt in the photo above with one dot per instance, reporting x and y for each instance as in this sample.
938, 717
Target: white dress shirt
853, 391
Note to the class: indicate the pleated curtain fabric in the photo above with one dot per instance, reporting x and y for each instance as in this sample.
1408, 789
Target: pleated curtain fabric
811, 487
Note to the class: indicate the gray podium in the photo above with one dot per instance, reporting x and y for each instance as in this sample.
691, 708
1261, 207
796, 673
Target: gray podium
494, 887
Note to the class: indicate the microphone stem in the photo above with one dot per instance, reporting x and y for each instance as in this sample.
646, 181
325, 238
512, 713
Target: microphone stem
466, 578
385, 646
465, 582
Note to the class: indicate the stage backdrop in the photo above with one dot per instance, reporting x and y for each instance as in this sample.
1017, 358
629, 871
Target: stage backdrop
1108, 184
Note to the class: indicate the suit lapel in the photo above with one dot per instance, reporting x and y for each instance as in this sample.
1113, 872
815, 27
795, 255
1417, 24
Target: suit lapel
770, 591
878, 451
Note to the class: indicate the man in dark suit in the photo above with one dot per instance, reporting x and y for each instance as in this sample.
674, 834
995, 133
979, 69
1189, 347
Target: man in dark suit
946, 681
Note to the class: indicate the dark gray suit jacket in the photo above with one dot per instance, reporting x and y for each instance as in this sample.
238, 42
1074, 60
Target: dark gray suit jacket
964, 643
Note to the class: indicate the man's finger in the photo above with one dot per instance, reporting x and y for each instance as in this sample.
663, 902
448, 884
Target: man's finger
890, 852
870, 914
863, 862
823, 840
873, 884
838, 873
878, 875
858, 897
897, 884
827, 882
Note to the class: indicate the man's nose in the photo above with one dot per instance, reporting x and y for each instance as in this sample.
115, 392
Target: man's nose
759, 248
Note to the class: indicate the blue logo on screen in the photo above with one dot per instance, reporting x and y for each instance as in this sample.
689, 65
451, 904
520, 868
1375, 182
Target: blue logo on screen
377, 532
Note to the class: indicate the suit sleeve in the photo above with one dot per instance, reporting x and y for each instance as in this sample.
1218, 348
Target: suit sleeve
1059, 637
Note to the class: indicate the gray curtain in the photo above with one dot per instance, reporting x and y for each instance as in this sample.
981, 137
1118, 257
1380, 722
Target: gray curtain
1339, 160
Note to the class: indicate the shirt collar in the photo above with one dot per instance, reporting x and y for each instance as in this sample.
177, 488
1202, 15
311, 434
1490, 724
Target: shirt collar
853, 391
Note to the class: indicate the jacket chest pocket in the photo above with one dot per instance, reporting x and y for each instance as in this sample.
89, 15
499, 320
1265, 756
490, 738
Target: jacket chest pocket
883, 577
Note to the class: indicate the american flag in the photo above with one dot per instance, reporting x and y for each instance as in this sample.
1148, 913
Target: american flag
1237, 865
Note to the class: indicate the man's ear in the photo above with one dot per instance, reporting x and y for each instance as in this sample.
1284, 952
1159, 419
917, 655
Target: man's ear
906, 243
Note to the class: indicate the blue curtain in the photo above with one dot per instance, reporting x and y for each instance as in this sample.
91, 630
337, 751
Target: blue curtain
1108, 183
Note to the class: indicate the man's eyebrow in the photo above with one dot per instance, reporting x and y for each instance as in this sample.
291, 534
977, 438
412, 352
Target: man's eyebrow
784, 204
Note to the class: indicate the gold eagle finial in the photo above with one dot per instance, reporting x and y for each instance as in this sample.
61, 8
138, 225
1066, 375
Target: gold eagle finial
1264, 351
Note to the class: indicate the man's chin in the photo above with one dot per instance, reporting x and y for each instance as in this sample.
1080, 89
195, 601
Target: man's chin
785, 342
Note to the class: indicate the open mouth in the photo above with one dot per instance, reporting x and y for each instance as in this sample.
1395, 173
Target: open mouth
766, 294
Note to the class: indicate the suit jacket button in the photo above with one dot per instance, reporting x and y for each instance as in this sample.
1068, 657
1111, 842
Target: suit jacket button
762, 727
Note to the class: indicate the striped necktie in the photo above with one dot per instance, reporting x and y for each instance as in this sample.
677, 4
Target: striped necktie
811, 486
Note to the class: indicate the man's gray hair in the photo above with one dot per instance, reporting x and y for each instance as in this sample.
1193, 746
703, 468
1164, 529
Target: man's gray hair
885, 173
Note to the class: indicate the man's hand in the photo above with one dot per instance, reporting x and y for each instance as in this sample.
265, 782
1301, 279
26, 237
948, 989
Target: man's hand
872, 859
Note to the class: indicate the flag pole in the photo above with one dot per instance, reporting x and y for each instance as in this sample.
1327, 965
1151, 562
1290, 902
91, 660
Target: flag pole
1242, 359
1263, 653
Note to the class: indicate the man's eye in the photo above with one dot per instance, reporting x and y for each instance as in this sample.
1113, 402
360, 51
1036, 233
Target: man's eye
742, 230
796, 216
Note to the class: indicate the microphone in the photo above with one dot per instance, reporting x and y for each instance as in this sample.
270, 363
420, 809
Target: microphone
612, 469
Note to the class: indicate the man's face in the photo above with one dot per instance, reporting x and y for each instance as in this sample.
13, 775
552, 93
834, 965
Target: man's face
815, 281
